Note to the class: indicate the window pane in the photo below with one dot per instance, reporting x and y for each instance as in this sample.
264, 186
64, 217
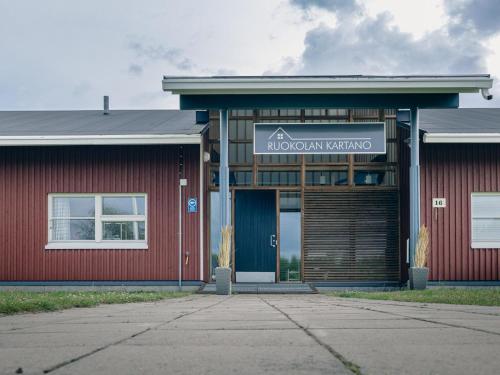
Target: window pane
315, 178
123, 205
240, 153
486, 206
320, 158
73, 207
373, 158
373, 178
277, 159
73, 229
486, 230
289, 201
290, 235
239, 178
120, 231
278, 178
236, 178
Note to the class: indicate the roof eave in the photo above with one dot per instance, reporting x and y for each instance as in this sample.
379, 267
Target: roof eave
461, 137
325, 85
94, 140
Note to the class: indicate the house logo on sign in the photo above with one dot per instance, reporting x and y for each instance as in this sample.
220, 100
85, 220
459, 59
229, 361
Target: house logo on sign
280, 135
192, 205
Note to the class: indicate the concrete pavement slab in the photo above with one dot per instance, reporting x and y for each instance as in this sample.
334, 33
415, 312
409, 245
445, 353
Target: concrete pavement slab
33, 360
416, 351
252, 334
216, 359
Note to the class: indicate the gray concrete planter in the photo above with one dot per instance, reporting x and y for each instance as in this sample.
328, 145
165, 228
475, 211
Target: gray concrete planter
223, 281
418, 277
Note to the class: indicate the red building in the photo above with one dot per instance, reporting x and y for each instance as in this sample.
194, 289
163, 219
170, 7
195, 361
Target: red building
131, 197
87, 196
461, 163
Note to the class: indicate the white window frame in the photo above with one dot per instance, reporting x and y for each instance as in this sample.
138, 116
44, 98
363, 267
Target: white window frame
99, 243
481, 244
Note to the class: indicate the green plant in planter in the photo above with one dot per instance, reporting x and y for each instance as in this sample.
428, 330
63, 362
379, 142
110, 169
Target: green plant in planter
419, 273
223, 272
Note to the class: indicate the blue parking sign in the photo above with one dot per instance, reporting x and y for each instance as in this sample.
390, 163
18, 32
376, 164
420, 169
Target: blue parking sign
192, 205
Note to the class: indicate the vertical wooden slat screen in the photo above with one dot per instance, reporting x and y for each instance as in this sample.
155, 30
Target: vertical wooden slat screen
351, 235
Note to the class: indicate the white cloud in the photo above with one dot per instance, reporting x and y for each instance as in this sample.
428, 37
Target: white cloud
59, 55
375, 44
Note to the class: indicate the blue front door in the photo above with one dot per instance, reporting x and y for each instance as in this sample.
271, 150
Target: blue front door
255, 235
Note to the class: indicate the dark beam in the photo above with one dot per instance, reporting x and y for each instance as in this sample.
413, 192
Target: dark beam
252, 101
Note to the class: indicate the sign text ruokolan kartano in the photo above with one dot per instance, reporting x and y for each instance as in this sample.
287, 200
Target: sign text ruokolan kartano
331, 138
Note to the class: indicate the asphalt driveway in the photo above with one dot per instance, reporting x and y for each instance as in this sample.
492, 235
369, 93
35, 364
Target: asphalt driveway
253, 334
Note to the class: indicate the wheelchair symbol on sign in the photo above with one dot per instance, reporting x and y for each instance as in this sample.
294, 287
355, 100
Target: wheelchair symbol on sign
192, 205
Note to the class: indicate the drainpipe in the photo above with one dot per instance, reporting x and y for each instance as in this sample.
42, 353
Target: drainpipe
182, 183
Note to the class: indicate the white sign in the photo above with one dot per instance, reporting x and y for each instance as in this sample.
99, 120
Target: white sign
438, 202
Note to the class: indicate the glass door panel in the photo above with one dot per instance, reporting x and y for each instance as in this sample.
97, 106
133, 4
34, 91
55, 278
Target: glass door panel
290, 237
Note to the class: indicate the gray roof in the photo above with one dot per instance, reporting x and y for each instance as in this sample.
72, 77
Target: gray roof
117, 122
460, 120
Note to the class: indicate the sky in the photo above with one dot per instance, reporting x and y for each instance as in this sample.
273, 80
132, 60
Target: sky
60, 54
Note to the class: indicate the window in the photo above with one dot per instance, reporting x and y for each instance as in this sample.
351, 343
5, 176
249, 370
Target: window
102, 221
485, 215
278, 178
326, 177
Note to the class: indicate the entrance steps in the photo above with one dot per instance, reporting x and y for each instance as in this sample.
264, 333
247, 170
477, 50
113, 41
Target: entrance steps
264, 288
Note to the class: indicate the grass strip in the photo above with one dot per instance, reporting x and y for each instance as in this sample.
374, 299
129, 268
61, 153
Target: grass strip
458, 296
13, 302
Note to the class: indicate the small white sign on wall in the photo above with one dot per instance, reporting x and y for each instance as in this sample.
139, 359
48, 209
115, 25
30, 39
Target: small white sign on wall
438, 202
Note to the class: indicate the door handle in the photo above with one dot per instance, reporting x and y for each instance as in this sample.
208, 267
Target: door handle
273, 240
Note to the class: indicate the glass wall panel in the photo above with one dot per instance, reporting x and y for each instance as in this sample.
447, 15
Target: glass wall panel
341, 158
241, 112
214, 153
236, 178
268, 112
374, 178
289, 112
390, 128
338, 112
315, 112
277, 159
240, 130
240, 153
213, 132
278, 178
332, 178
365, 112
290, 236
389, 157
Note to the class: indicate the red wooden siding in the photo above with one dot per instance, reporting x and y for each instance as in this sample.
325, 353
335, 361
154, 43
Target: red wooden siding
28, 175
454, 171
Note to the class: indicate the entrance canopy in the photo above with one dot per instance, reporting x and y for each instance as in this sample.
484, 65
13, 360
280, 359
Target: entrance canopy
357, 91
